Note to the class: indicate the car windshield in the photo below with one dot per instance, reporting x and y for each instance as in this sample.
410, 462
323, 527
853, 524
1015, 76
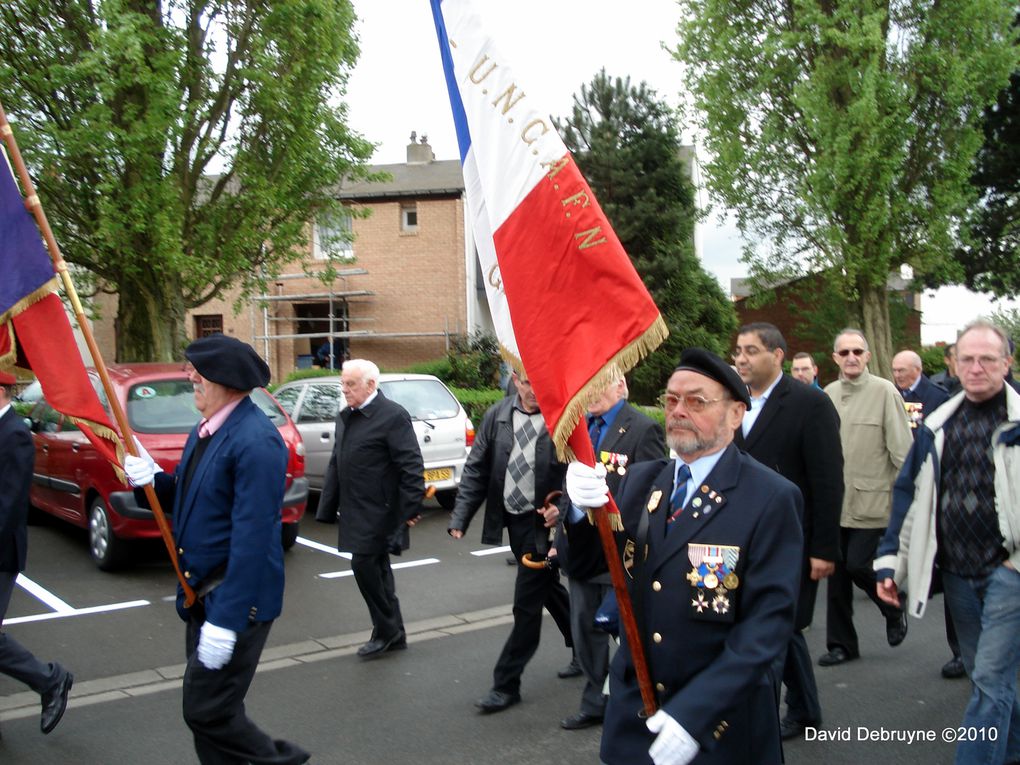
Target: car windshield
168, 406
423, 399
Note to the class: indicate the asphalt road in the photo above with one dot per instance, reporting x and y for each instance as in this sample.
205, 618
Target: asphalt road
120, 635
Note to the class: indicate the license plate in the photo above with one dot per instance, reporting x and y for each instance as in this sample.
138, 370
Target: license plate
439, 474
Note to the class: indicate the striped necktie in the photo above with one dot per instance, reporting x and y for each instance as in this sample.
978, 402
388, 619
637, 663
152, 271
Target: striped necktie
676, 502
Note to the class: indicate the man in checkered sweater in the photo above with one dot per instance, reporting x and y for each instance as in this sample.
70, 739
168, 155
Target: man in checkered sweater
956, 504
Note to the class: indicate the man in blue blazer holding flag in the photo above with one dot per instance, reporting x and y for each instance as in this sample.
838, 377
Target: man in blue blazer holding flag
226, 495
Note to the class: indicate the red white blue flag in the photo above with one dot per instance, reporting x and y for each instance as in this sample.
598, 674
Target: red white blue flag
35, 332
564, 296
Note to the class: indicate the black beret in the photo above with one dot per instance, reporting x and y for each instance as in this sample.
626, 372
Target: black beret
707, 363
228, 361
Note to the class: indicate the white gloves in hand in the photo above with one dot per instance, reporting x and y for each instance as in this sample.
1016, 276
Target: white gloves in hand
673, 745
586, 485
140, 470
215, 645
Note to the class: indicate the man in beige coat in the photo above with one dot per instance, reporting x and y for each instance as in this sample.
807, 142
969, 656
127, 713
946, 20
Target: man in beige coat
875, 436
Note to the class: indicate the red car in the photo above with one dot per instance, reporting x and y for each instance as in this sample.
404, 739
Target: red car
73, 482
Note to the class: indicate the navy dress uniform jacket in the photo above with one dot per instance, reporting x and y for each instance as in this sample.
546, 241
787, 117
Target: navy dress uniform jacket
710, 664
375, 481
229, 516
17, 456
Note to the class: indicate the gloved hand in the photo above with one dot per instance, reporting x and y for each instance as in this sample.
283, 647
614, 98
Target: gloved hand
673, 745
586, 485
140, 470
215, 645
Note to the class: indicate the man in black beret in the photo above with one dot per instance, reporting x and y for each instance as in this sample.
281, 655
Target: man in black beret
226, 495
713, 552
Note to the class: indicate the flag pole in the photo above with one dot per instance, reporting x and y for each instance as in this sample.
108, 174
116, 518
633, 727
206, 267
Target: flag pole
60, 266
581, 444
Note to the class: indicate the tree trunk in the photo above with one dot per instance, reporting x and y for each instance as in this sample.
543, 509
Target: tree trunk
874, 306
150, 324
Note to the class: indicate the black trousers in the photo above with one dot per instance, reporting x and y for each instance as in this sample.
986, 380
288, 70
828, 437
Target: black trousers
533, 590
858, 548
17, 661
798, 674
375, 581
214, 705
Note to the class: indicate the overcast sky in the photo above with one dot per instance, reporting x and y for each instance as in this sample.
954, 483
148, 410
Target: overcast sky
554, 48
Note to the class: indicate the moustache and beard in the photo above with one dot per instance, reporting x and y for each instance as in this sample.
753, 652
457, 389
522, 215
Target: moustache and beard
685, 439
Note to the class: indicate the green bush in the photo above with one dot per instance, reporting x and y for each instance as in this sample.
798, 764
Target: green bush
440, 368
474, 361
932, 361
477, 402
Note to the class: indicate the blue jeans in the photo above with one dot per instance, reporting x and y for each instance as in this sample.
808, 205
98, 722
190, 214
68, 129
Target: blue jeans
986, 613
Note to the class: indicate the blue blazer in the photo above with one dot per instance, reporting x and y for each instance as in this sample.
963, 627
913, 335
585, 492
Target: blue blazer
710, 639
230, 516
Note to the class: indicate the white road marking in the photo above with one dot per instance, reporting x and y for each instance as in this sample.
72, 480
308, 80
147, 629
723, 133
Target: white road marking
406, 564
323, 548
47, 597
76, 612
491, 551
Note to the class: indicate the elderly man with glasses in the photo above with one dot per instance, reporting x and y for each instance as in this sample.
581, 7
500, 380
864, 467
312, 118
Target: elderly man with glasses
875, 436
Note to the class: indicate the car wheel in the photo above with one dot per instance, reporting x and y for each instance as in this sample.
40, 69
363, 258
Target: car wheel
289, 535
447, 499
106, 549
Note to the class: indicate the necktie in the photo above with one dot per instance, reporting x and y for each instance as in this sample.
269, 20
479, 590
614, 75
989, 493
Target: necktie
595, 430
203, 429
676, 502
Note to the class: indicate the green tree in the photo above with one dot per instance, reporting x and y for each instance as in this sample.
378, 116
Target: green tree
180, 147
843, 132
990, 254
627, 143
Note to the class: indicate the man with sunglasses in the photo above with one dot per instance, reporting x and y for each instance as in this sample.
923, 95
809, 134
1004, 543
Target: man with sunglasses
875, 435
713, 556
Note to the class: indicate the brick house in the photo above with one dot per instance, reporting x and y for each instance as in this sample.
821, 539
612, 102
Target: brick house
407, 282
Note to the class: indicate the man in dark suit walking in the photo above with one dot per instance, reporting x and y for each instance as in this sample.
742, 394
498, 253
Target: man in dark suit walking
621, 436
17, 456
512, 469
375, 449
226, 495
794, 429
712, 536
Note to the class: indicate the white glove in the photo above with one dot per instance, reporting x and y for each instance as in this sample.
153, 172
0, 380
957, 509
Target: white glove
673, 745
140, 470
215, 645
586, 485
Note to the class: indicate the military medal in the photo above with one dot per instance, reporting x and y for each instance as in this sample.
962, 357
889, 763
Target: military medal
730, 581
711, 580
653, 501
721, 604
621, 464
699, 603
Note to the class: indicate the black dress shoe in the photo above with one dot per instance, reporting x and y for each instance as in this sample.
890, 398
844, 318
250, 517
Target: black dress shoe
580, 721
497, 701
573, 669
789, 728
54, 702
896, 628
953, 669
377, 646
400, 644
835, 656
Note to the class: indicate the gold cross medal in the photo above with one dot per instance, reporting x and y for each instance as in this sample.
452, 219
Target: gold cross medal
606, 458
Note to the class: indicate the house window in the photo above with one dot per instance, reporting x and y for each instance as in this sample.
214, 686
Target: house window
209, 324
333, 235
409, 217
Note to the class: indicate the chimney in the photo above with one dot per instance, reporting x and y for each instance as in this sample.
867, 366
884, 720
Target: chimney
419, 153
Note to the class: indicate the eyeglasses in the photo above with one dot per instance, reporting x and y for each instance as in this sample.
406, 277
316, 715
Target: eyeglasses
986, 362
693, 402
847, 351
748, 350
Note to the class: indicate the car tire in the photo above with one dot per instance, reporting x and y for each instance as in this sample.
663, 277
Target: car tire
106, 549
447, 499
289, 535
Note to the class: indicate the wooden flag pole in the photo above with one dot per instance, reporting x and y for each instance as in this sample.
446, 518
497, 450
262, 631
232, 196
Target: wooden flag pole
580, 442
60, 266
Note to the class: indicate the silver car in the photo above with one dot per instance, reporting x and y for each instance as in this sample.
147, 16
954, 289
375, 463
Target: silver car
444, 432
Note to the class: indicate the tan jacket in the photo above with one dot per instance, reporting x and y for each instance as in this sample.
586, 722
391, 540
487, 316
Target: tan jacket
875, 434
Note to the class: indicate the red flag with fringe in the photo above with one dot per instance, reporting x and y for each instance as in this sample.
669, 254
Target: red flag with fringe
35, 333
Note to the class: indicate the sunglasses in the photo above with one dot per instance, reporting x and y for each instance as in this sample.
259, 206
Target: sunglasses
847, 351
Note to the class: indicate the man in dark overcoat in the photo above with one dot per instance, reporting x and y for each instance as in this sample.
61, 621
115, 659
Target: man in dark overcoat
17, 456
373, 486
794, 429
715, 572
226, 495
621, 436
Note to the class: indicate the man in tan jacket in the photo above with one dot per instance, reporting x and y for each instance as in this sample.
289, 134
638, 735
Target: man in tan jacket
875, 436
